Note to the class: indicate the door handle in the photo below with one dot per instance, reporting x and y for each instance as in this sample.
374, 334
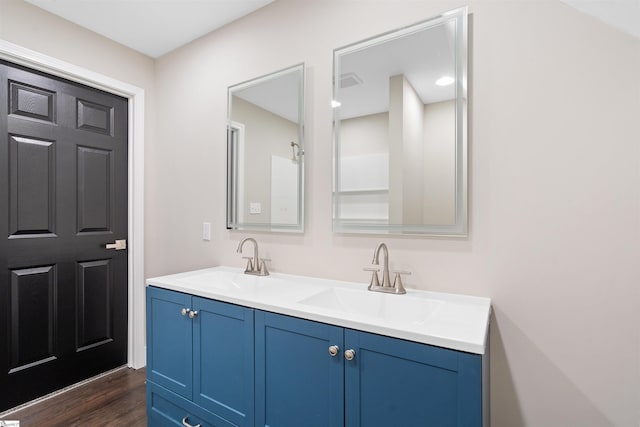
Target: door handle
118, 245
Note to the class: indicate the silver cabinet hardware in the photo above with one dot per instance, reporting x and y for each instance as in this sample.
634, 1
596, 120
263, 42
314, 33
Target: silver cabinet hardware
186, 424
349, 354
184, 311
334, 350
193, 313
118, 245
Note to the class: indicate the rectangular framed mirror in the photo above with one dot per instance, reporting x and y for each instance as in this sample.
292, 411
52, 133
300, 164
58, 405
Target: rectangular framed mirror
400, 131
265, 152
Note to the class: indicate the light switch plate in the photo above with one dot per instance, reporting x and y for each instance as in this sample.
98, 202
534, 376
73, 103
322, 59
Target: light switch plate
255, 208
206, 231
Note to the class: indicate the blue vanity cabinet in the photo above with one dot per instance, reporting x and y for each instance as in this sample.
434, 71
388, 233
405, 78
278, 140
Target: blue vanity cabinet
228, 365
199, 361
387, 382
298, 383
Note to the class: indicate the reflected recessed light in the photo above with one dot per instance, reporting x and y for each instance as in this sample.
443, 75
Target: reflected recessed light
445, 81
335, 104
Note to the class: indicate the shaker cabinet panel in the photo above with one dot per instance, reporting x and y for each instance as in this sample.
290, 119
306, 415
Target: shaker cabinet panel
223, 360
397, 382
298, 382
169, 341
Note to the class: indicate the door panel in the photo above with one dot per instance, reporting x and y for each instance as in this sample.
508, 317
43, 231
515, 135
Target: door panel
32, 312
95, 313
63, 196
95, 194
31, 186
31, 102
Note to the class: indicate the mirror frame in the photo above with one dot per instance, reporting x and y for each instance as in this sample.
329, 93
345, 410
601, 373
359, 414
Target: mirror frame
298, 227
460, 227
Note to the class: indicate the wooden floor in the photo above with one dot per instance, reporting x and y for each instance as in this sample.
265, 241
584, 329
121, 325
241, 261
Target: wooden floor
117, 399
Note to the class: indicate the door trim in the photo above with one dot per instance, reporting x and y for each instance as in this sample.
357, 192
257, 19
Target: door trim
136, 351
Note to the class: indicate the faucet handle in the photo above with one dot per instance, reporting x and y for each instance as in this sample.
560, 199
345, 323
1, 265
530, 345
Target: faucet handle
249, 263
397, 281
374, 276
263, 266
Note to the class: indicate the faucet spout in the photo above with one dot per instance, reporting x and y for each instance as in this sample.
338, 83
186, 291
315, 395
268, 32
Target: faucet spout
386, 281
386, 286
254, 266
255, 247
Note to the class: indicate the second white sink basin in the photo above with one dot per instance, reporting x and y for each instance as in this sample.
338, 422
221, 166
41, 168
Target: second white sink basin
388, 307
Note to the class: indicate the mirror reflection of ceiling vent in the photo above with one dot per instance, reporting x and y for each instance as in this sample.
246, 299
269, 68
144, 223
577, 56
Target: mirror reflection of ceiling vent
349, 79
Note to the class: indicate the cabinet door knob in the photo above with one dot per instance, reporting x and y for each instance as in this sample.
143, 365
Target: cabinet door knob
349, 354
193, 313
333, 350
186, 424
184, 311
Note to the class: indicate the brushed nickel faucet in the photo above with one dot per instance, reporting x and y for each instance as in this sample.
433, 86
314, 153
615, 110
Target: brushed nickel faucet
255, 265
386, 286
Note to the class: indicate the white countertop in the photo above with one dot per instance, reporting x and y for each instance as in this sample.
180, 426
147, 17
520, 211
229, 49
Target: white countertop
452, 321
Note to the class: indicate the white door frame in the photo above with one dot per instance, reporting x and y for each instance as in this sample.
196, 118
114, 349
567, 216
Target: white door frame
136, 353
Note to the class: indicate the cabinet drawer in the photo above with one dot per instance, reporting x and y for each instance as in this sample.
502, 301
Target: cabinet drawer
165, 408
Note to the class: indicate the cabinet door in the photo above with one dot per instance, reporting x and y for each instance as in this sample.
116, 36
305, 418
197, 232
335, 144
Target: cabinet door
298, 383
392, 382
223, 360
169, 341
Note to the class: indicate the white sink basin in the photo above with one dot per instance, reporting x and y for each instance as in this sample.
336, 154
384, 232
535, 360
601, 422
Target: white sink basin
386, 307
232, 281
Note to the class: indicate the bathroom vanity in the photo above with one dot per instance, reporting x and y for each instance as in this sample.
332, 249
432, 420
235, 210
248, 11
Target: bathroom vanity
229, 349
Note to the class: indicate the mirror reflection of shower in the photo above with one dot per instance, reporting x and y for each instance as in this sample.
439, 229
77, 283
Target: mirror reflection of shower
295, 154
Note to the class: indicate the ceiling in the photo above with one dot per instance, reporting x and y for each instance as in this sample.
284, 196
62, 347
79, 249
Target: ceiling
622, 14
152, 27
156, 27
278, 93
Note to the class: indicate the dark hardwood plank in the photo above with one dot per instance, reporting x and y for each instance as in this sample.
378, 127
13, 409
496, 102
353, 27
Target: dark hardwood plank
117, 399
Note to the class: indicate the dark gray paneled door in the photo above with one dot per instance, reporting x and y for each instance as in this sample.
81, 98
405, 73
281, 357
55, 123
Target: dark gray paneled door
63, 196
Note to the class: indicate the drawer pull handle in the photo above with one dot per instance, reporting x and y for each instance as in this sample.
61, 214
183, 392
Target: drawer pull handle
193, 313
185, 311
186, 424
349, 354
333, 350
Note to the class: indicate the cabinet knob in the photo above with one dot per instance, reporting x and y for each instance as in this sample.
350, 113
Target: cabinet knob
349, 354
333, 350
184, 311
193, 313
186, 424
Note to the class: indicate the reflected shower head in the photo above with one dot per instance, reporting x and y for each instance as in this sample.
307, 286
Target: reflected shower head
294, 154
